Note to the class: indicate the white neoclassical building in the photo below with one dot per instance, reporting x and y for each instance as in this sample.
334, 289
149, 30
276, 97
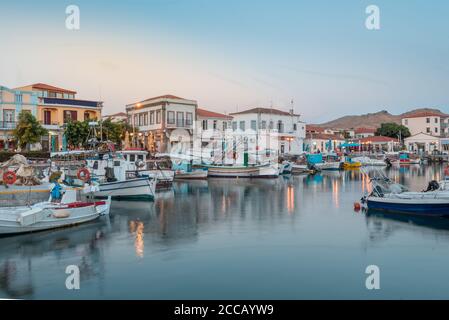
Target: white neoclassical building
162, 123
273, 129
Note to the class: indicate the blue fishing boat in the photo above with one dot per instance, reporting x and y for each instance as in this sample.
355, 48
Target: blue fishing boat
392, 197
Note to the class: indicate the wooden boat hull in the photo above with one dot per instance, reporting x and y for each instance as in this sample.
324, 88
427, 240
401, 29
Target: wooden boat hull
355, 165
299, 169
408, 163
268, 172
140, 188
194, 175
328, 166
52, 218
233, 172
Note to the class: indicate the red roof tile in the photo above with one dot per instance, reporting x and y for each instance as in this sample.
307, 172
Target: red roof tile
43, 86
323, 136
365, 130
210, 114
423, 114
376, 139
310, 128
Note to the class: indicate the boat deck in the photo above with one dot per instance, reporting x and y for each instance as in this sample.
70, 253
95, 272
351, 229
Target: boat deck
12, 213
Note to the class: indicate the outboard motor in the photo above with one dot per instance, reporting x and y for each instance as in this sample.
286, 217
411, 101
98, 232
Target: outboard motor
433, 186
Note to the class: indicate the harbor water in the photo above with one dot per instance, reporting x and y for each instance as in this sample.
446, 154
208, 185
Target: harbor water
287, 238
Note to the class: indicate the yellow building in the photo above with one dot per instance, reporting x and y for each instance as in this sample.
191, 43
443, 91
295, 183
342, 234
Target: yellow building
56, 107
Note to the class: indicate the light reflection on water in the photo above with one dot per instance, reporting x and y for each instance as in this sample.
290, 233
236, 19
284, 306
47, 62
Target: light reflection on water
292, 237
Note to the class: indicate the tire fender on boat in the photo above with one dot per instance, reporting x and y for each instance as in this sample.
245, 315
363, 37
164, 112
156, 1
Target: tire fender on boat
83, 174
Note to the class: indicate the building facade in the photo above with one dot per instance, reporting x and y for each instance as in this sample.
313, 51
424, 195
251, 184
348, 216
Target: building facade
377, 144
360, 133
284, 128
12, 102
423, 143
56, 107
429, 123
211, 128
163, 124
322, 142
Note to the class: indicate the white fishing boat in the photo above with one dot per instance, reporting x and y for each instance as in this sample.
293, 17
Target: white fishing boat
159, 169
233, 171
117, 181
135, 188
57, 212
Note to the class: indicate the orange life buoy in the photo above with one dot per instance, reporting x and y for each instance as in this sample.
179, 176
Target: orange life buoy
9, 177
83, 174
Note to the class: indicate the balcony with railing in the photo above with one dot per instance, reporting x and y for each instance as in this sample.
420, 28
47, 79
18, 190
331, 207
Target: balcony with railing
50, 125
7, 125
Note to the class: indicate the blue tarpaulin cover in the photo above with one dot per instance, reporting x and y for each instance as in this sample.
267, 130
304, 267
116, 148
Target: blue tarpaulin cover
315, 158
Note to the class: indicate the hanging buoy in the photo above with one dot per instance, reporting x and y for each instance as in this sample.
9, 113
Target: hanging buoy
357, 206
9, 177
83, 174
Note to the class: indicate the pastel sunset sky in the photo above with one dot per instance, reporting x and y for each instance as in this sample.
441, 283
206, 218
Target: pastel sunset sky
234, 54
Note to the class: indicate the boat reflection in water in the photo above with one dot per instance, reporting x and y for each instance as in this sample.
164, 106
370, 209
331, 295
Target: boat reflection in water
436, 223
237, 238
21, 268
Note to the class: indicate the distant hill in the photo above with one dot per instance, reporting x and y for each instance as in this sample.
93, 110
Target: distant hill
370, 120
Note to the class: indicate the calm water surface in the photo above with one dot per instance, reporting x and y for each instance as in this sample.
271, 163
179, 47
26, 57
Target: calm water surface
289, 238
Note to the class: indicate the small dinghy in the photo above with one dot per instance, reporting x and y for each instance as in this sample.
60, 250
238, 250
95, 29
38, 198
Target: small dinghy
61, 210
300, 169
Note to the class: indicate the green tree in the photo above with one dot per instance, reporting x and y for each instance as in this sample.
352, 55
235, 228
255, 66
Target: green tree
28, 130
76, 133
115, 131
393, 130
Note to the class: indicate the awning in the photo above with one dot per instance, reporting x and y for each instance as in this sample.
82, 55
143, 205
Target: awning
350, 145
